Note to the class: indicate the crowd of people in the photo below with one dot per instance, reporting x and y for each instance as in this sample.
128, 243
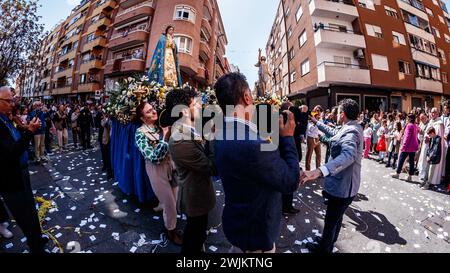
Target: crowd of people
30, 131
258, 185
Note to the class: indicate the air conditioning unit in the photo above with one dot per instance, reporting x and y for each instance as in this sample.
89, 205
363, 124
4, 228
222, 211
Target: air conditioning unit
359, 54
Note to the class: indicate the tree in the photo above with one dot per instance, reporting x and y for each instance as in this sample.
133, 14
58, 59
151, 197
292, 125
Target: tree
20, 36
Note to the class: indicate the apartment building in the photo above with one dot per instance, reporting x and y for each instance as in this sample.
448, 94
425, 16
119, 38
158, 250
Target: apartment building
384, 53
104, 41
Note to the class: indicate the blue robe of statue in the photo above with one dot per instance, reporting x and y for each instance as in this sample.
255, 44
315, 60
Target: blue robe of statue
156, 72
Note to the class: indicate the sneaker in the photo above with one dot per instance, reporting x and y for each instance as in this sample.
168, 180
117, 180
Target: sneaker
409, 178
4, 232
426, 186
395, 175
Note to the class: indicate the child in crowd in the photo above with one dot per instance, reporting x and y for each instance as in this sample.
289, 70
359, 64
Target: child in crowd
433, 156
367, 139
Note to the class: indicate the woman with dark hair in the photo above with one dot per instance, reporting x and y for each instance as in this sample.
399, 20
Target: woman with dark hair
164, 67
409, 147
152, 142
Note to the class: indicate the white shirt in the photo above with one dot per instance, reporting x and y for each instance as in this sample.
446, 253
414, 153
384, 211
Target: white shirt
368, 132
312, 130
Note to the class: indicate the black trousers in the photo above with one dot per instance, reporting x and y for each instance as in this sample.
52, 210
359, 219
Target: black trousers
447, 167
401, 161
23, 209
333, 220
394, 156
288, 198
106, 157
4, 217
194, 234
85, 134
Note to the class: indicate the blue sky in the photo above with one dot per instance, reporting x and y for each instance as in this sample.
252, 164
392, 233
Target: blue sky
247, 24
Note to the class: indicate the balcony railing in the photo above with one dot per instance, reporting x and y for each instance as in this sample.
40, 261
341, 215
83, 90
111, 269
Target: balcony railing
415, 3
95, 38
90, 59
126, 33
144, 4
347, 2
336, 29
346, 65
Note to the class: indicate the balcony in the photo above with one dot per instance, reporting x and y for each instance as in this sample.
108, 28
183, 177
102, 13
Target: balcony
327, 37
69, 55
345, 10
207, 25
99, 41
101, 23
65, 72
135, 12
424, 57
119, 66
62, 90
119, 41
108, 6
416, 10
410, 28
88, 87
205, 52
331, 72
201, 71
90, 64
428, 85
209, 6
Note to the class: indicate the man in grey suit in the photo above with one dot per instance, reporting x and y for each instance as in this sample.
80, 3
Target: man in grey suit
342, 172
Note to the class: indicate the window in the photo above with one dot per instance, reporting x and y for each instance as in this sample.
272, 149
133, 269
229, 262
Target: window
289, 32
399, 38
436, 32
441, 19
83, 78
380, 62
435, 2
368, 4
391, 12
293, 76
291, 54
305, 67
184, 44
403, 67
90, 37
288, 11
447, 38
69, 81
346, 61
374, 31
299, 13
302, 38
185, 13
421, 44
441, 55
430, 12
427, 71
444, 77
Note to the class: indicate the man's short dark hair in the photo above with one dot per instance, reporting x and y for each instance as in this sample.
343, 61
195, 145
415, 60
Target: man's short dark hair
176, 97
350, 108
230, 88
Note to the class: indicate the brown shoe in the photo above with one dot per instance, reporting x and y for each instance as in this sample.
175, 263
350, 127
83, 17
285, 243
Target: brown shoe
175, 237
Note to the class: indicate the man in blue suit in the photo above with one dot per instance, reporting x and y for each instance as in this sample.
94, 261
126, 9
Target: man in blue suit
253, 180
342, 172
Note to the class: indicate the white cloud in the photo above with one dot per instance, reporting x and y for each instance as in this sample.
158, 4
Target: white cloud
72, 2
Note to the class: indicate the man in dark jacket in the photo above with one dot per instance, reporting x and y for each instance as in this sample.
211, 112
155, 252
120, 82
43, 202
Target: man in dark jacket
196, 195
15, 186
85, 122
253, 180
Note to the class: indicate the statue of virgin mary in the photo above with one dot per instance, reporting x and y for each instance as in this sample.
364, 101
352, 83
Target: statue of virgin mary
164, 67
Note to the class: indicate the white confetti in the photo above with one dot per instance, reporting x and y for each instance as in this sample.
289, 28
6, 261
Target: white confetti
92, 237
133, 249
213, 248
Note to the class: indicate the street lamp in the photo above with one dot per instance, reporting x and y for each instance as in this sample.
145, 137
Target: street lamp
215, 58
